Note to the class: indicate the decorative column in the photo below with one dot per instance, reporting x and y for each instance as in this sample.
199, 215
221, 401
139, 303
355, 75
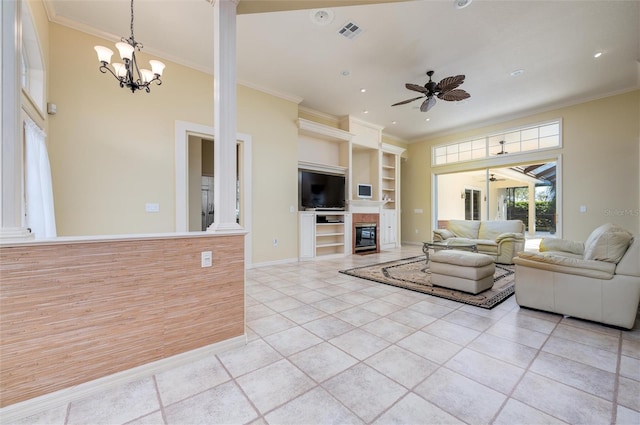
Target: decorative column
224, 124
11, 181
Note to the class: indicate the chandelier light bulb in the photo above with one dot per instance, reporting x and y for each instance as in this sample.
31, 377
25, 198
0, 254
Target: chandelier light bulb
125, 49
104, 54
146, 75
156, 67
120, 69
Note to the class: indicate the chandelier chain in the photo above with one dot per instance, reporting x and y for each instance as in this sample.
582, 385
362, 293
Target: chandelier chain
131, 19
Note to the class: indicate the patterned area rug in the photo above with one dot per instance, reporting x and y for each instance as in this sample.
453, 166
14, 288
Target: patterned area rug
412, 273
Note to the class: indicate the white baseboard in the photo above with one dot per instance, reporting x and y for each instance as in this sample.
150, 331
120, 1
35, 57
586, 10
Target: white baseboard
273, 263
412, 243
45, 402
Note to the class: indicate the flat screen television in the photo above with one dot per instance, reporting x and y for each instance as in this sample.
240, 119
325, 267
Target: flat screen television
365, 191
320, 190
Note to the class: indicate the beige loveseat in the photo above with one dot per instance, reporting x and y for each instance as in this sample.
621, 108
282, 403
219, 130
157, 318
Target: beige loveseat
597, 280
500, 239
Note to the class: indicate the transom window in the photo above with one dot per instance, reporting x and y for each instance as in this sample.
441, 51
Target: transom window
527, 139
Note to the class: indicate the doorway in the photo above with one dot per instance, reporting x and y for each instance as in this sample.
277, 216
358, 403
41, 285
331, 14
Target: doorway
187, 205
523, 191
201, 187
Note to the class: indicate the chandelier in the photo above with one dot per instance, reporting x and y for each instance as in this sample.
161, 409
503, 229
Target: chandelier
128, 73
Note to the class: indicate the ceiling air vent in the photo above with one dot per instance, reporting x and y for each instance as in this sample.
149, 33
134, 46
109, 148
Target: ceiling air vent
351, 30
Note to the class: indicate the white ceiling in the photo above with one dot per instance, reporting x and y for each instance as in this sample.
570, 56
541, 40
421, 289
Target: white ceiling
288, 54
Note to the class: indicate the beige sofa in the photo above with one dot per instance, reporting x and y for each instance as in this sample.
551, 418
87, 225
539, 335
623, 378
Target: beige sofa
500, 239
597, 280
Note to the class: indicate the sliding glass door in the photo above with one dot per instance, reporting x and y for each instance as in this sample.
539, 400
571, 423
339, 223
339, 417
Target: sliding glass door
526, 192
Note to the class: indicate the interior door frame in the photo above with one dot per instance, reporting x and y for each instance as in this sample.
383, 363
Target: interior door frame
183, 130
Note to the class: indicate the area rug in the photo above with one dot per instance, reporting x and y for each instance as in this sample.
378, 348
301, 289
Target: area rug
412, 273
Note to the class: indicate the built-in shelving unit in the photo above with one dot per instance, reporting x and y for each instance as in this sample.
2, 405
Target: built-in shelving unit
388, 180
390, 193
353, 148
324, 233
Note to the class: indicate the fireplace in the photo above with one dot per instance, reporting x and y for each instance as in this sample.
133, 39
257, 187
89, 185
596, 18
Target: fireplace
365, 233
366, 240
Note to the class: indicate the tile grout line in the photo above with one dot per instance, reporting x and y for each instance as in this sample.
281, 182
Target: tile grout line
616, 383
517, 384
160, 402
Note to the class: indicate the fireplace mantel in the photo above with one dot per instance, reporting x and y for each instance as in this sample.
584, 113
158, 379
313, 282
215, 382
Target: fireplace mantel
365, 206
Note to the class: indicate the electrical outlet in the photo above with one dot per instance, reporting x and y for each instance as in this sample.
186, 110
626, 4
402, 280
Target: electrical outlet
417, 231
275, 242
206, 259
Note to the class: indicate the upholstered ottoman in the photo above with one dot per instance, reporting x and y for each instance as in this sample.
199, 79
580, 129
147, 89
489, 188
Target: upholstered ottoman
462, 270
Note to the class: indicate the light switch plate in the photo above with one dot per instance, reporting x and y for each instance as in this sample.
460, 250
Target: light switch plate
152, 207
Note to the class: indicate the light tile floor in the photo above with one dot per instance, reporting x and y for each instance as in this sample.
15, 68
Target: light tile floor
326, 348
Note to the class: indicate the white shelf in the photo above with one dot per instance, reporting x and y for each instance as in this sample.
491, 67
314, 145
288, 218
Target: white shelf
324, 238
327, 245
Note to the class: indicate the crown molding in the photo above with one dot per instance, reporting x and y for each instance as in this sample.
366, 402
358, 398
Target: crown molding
320, 115
281, 95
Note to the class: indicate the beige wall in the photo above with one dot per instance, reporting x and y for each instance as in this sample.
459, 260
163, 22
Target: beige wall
601, 142
272, 124
113, 151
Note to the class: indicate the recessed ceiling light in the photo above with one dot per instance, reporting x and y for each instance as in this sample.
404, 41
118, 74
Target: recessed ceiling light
517, 72
597, 55
363, 90
365, 112
394, 122
428, 119
345, 73
461, 4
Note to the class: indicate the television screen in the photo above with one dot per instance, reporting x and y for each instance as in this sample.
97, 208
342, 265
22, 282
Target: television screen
365, 191
318, 190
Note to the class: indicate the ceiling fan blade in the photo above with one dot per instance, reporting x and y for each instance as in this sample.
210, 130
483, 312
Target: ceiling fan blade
455, 95
407, 101
450, 83
416, 87
428, 104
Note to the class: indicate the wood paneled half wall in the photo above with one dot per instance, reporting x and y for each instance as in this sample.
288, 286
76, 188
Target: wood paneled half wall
72, 312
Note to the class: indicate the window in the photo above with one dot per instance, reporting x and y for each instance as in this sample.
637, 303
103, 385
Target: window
32, 65
24, 73
511, 142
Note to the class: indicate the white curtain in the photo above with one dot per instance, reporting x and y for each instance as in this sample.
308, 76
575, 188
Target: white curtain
38, 187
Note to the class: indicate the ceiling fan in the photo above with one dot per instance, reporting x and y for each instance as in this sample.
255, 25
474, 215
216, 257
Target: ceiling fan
492, 178
446, 89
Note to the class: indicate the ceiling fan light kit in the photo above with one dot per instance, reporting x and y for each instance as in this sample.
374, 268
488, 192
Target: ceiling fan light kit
128, 73
447, 89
